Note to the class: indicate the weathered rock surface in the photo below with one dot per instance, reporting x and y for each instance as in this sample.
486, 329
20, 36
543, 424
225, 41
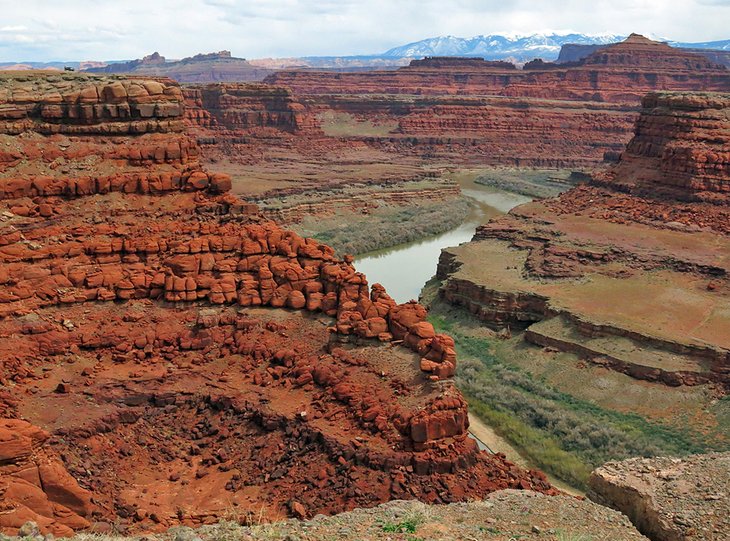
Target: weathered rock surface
70, 135
570, 269
669, 499
503, 515
245, 106
173, 354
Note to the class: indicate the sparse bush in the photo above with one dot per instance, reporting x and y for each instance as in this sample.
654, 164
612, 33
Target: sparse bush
559, 433
393, 227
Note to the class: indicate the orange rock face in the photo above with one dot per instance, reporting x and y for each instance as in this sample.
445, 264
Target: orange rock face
681, 149
174, 355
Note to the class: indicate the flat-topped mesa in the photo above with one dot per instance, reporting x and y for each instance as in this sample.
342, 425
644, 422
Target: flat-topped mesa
160, 301
241, 106
640, 52
456, 62
209, 56
680, 150
201, 68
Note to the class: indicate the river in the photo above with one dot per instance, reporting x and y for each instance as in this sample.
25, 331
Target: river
404, 269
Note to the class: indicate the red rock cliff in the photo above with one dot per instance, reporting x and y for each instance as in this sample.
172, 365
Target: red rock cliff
146, 348
681, 149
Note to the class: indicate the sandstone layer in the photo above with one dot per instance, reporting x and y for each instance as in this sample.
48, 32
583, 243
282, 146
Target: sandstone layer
669, 499
630, 273
681, 149
170, 355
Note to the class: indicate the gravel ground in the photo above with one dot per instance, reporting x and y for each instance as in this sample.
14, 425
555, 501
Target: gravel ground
507, 515
670, 499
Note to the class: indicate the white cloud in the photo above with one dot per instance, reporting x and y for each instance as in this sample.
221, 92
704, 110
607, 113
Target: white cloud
109, 29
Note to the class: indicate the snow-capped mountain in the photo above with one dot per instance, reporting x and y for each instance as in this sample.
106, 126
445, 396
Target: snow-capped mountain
723, 45
498, 46
517, 47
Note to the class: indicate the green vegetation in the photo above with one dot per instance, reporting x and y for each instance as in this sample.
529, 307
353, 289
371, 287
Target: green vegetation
341, 124
538, 183
386, 227
561, 434
408, 524
564, 536
404, 526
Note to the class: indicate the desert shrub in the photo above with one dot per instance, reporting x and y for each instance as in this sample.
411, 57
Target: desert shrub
394, 227
557, 432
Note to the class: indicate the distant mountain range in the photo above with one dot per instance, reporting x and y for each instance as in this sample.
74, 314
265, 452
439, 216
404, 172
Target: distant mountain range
518, 48
222, 66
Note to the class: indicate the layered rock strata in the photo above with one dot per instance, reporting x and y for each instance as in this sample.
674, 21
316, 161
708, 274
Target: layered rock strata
681, 149
569, 270
244, 106
622, 72
472, 111
168, 354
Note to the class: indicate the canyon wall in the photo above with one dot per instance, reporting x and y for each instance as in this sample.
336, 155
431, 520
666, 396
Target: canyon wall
681, 149
619, 73
569, 270
370, 145
169, 353
473, 111
244, 106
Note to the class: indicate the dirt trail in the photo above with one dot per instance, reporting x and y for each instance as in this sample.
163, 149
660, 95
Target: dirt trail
498, 444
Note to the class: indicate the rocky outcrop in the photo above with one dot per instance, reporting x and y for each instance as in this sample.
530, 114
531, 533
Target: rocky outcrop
568, 269
76, 138
681, 149
35, 485
173, 353
506, 513
669, 499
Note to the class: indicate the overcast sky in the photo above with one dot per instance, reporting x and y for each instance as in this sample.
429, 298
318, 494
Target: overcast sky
44, 30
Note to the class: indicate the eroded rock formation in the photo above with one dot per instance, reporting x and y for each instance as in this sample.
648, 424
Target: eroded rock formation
681, 149
169, 355
570, 270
